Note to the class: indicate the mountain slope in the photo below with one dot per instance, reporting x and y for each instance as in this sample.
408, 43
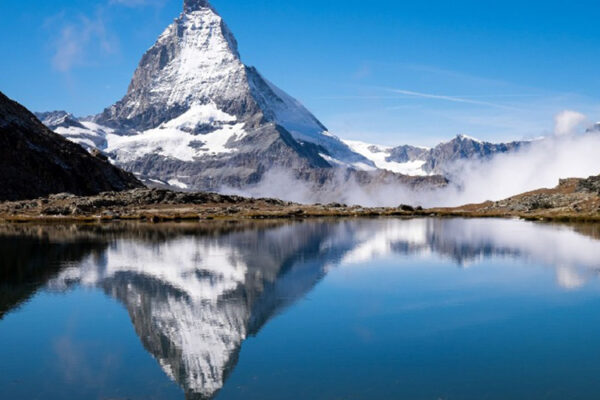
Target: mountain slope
411, 160
406, 160
85, 133
35, 162
465, 148
574, 199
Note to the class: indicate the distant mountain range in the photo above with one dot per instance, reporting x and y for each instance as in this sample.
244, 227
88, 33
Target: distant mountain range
404, 159
411, 160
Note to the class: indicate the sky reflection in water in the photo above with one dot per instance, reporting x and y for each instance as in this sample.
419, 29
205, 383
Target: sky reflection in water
377, 309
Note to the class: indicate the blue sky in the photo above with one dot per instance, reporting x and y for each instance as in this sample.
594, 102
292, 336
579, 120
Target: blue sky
382, 71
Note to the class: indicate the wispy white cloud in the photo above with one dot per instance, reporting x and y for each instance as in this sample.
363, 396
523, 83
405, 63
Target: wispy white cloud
400, 96
79, 40
404, 102
453, 99
362, 72
567, 121
82, 40
455, 75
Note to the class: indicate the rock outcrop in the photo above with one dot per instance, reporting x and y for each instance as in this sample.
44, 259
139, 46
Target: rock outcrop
573, 199
35, 161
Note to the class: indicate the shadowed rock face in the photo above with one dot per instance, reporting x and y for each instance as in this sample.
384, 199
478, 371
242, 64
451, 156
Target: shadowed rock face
465, 148
36, 162
403, 154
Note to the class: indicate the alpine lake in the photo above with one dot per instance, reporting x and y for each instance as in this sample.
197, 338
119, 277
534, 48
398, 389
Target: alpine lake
425, 308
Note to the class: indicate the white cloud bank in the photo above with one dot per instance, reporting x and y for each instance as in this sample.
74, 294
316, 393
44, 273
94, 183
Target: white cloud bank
540, 165
567, 122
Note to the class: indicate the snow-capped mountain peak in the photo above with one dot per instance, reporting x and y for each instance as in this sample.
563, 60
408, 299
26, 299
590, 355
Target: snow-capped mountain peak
195, 5
56, 119
194, 61
193, 106
384, 157
195, 114
463, 137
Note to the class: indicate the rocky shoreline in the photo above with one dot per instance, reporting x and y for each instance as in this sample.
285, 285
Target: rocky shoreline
576, 200
159, 205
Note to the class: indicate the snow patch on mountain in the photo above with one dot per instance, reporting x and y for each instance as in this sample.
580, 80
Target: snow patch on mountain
469, 138
175, 139
204, 65
199, 114
178, 184
379, 156
89, 136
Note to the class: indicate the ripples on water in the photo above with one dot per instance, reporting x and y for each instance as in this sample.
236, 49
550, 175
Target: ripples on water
360, 309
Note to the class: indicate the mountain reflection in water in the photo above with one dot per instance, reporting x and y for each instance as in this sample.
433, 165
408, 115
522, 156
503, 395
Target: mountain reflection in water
195, 293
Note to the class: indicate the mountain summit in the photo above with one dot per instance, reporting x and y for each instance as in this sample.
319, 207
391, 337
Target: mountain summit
194, 63
195, 5
196, 117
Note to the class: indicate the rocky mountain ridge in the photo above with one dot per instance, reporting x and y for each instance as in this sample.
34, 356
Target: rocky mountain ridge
438, 160
34, 161
403, 160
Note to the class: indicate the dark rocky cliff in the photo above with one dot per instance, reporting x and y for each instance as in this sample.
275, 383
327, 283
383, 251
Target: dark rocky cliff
36, 162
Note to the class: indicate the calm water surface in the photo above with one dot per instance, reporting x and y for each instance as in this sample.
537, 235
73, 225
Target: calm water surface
364, 309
